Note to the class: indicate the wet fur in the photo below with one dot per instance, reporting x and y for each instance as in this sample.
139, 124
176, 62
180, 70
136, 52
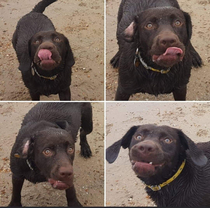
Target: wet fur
191, 188
133, 80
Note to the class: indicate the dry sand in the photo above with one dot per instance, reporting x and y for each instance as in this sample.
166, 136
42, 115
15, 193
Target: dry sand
123, 188
81, 21
199, 85
89, 173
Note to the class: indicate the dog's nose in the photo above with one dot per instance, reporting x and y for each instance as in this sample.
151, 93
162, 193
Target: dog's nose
65, 172
47, 45
146, 148
167, 41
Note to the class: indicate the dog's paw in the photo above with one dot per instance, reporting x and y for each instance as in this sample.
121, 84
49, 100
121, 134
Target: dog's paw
15, 204
85, 150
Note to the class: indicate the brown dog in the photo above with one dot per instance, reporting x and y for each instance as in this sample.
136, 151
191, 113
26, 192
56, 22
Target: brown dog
155, 53
174, 169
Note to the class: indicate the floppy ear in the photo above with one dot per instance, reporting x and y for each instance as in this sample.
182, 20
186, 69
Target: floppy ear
63, 124
130, 31
113, 151
194, 152
26, 148
25, 63
69, 56
188, 24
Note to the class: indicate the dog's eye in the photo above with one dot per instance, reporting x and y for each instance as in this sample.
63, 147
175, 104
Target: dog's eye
138, 137
57, 39
37, 42
70, 150
149, 26
177, 23
47, 152
167, 140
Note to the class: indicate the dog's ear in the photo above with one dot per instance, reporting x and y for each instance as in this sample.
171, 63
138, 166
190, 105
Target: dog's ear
25, 149
69, 56
113, 151
130, 31
188, 24
194, 152
25, 60
63, 124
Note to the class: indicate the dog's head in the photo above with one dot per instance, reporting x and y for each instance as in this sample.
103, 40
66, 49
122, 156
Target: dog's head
48, 50
51, 150
161, 34
155, 150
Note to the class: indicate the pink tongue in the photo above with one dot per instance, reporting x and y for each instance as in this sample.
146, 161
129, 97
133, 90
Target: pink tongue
143, 169
173, 51
44, 54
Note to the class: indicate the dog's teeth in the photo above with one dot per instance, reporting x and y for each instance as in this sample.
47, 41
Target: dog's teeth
150, 163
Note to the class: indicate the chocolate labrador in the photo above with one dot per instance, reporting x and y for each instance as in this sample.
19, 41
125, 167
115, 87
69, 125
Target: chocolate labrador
173, 168
44, 149
45, 55
155, 53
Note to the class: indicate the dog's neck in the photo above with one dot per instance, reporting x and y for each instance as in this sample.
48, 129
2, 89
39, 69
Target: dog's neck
138, 59
166, 173
49, 75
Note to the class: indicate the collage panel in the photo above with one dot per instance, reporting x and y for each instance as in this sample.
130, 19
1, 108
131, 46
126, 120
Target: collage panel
157, 154
47, 46
150, 51
40, 138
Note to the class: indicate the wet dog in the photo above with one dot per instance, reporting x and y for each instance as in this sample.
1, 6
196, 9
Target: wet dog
45, 56
174, 169
44, 149
155, 53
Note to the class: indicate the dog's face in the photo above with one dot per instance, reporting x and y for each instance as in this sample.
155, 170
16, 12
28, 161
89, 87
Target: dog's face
155, 150
48, 49
52, 151
162, 34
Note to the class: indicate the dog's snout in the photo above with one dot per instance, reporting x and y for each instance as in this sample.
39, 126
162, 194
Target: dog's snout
146, 148
168, 40
47, 45
65, 172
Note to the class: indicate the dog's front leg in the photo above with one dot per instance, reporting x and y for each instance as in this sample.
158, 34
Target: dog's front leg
180, 94
17, 184
121, 95
72, 198
65, 94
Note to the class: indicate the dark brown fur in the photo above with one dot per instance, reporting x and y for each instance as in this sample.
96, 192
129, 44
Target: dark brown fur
35, 31
45, 147
167, 148
133, 16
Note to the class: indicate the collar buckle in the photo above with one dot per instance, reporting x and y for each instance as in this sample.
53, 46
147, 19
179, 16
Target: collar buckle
155, 188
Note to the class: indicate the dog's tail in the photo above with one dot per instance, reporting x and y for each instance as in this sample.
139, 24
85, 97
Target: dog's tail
40, 7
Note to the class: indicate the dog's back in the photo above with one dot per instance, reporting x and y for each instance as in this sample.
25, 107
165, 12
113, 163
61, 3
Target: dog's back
53, 112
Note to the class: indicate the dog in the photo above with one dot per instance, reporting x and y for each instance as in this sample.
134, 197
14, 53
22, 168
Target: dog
45, 56
44, 149
155, 53
174, 169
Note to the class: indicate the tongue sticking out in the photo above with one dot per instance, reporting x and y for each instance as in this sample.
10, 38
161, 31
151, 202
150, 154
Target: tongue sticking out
44, 54
171, 56
173, 51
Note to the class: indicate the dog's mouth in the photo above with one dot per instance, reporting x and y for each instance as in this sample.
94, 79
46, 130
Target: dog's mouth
56, 184
45, 60
171, 56
145, 169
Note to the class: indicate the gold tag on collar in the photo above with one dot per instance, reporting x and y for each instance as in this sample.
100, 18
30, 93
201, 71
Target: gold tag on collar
16, 155
136, 61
